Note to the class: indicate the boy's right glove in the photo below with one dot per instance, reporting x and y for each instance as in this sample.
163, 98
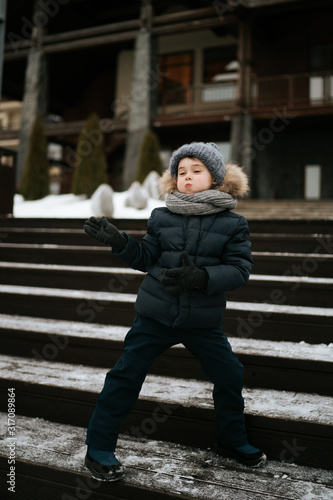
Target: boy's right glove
105, 232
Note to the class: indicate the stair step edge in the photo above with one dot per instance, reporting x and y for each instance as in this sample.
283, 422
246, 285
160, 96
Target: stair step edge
159, 466
304, 407
127, 297
114, 333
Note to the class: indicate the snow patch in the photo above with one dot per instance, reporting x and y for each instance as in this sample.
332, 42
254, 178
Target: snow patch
58, 267
69, 206
70, 294
284, 309
291, 279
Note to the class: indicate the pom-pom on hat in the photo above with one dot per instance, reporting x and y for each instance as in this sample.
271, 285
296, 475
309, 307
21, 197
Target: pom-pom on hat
207, 152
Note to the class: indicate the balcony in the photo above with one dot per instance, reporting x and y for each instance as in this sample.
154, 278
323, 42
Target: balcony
302, 90
211, 97
308, 93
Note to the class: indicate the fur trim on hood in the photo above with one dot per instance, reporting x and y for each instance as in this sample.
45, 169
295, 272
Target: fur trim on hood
235, 182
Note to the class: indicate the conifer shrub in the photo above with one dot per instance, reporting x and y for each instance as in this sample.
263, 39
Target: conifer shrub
149, 159
35, 180
90, 165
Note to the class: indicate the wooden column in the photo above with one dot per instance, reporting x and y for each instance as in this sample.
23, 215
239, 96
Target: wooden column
241, 126
2, 37
143, 92
34, 98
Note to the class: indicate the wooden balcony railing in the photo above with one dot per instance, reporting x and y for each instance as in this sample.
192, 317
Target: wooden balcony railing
302, 89
199, 98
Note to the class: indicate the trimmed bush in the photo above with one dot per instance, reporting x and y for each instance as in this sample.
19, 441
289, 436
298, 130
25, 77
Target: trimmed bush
150, 159
35, 180
90, 165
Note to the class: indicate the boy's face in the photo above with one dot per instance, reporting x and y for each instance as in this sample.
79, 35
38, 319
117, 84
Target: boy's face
193, 176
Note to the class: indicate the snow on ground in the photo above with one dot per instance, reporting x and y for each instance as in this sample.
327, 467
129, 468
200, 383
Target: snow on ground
69, 206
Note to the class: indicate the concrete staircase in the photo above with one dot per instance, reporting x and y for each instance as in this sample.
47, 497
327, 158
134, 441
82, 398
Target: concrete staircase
65, 306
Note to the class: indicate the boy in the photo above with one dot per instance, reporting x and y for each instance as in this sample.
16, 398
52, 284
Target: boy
195, 250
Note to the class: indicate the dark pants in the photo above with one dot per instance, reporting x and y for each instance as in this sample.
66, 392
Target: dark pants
146, 340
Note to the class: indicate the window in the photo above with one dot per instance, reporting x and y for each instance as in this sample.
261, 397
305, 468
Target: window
321, 86
176, 75
321, 57
218, 61
220, 74
312, 181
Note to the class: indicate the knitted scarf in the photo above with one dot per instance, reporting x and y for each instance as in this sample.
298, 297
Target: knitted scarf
206, 202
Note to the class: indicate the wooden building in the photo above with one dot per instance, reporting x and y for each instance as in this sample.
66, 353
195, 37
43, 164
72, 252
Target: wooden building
254, 76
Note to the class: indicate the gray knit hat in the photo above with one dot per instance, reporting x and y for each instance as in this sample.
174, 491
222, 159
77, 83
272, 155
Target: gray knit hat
207, 152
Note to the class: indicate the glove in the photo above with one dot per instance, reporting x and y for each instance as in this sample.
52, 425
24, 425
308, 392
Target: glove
105, 232
187, 277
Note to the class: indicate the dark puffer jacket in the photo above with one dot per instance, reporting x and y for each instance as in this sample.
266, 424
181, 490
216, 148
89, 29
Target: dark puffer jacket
218, 243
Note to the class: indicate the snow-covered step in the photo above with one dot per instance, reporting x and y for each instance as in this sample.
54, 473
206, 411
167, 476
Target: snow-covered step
70, 329
71, 276
293, 280
242, 319
110, 296
295, 242
261, 241
88, 255
260, 223
275, 419
22, 266
278, 365
96, 331
78, 305
57, 236
311, 408
154, 470
317, 264
292, 290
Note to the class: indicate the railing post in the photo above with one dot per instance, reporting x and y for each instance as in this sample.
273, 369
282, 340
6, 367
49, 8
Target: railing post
254, 89
328, 89
189, 99
290, 91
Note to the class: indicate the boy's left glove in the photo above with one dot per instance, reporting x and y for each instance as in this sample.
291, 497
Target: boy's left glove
187, 277
105, 232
